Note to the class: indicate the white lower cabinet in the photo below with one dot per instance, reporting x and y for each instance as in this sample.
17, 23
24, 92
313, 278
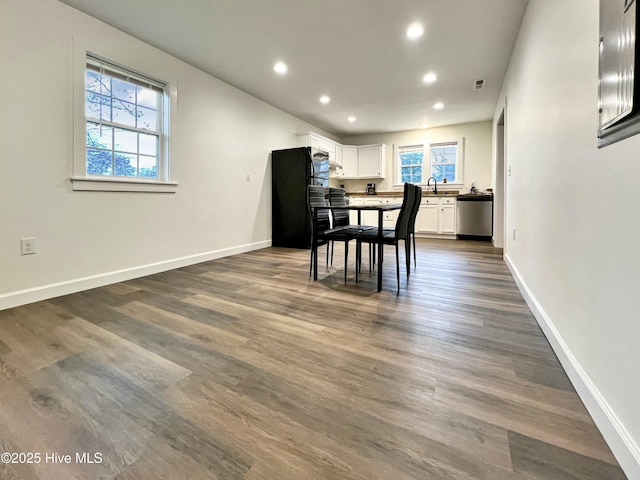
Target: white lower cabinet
353, 215
371, 217
448, 219
427, 219
437, 216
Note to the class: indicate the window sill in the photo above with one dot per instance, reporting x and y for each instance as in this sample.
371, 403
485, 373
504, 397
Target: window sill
106, 184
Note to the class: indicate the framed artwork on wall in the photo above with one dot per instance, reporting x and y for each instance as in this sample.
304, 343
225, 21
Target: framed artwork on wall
618, 88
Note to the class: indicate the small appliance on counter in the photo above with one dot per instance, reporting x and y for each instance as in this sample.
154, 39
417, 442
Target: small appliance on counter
371, 188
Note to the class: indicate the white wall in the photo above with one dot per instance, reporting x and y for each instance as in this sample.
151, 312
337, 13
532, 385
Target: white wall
575, 209
477, 144
220, 134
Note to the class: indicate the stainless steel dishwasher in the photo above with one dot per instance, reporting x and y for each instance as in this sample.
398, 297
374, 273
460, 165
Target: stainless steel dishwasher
474, 216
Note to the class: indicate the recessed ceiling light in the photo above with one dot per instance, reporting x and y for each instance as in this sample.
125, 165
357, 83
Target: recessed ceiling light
352, 118
439, 106
324, 99
280, 67
415, 30
424, 125
430, 77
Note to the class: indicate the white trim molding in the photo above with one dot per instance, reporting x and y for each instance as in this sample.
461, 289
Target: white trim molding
22, 297
111, 184
615, 434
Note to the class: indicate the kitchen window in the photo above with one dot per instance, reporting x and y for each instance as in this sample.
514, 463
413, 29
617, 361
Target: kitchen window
441, 160
125, 129
411, 159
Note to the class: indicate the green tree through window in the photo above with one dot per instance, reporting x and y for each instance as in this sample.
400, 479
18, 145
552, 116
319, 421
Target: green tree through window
123, 123
411, 163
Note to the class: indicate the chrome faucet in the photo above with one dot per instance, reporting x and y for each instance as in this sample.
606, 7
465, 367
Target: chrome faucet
435, 184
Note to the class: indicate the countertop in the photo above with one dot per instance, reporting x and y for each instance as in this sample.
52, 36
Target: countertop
446, 193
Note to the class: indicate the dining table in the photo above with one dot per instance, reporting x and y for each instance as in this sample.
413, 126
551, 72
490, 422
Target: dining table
381, 209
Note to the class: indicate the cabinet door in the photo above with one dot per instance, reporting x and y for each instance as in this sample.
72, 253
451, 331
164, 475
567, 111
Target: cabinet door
339, 154
448, 219
328, 147
370, 162
349, 162
353, 215
427, 219
390, 218
304, 140
371, 217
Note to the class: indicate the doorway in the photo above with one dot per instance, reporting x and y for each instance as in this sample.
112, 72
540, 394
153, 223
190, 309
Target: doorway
500, 194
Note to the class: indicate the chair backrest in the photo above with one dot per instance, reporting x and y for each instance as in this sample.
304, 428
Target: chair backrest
414, 210
408, 200
337, 199
315, 199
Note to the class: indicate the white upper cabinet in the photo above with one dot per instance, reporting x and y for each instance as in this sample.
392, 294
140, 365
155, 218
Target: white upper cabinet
349, 162
366, 161
310, 139
371, 160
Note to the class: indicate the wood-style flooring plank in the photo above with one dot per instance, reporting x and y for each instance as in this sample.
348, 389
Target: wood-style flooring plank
244, 368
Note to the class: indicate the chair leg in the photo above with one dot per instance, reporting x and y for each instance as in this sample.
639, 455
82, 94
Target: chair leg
398, 268
358, 259
346, 258
407, 254
311, 262
327, 261
413, 235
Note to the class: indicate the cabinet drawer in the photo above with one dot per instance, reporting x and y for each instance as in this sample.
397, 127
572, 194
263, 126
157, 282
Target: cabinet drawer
429, 201
447, 201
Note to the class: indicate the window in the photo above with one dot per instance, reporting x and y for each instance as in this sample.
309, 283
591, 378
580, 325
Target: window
125, 129
411, 161
124, 122
441, 160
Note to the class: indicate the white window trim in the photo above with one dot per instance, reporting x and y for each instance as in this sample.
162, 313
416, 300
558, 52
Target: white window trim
397, 183
80, 181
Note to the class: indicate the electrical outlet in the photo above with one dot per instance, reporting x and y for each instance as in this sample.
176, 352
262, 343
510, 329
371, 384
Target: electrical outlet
27, 246
247, 177
509, 171
514, 234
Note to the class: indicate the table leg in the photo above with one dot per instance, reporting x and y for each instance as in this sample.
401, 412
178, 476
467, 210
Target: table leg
380, 249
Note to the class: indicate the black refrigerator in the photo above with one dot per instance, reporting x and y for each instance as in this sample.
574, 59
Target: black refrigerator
291, 171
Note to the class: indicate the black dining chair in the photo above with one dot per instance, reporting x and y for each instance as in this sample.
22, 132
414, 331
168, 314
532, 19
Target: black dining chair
340, 218
325, 233
412, 228
391, 237
412, 223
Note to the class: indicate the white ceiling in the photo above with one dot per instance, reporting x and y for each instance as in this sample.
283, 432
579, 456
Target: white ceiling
355, 51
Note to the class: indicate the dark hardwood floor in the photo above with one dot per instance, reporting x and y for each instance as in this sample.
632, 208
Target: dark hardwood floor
244, 368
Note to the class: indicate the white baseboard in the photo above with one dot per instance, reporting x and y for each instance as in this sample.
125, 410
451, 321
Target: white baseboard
622, 445
22, 297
